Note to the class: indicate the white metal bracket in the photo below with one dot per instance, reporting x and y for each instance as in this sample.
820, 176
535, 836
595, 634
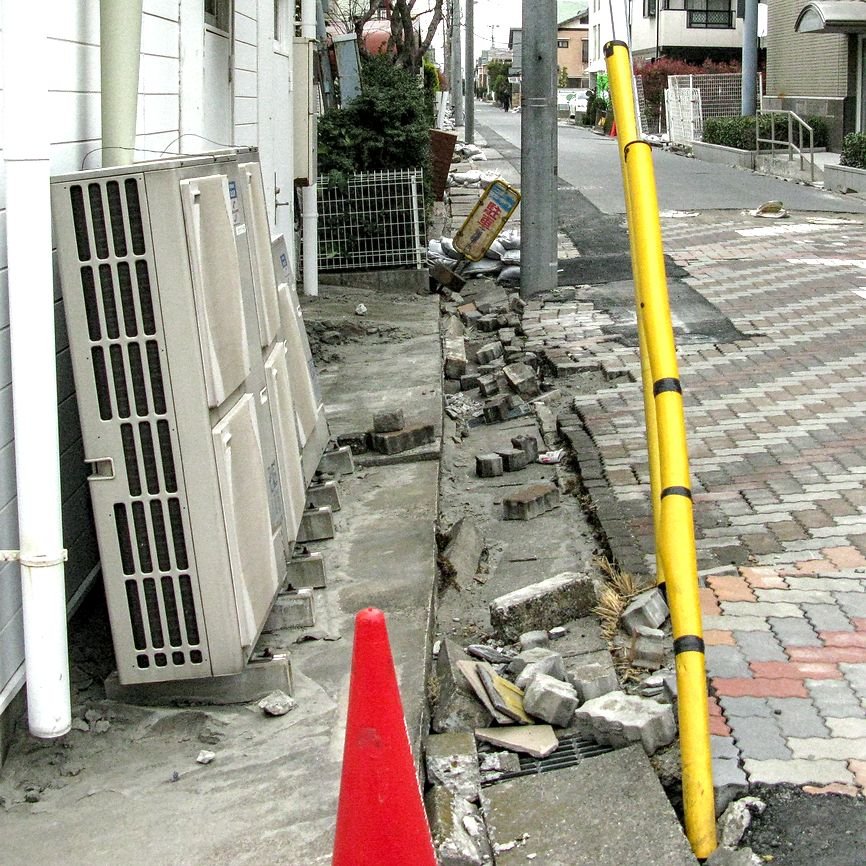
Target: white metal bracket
42, 560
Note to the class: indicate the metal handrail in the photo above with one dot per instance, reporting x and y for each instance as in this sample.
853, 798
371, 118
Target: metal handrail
802, 127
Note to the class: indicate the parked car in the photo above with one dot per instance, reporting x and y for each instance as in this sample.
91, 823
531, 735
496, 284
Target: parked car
578, 103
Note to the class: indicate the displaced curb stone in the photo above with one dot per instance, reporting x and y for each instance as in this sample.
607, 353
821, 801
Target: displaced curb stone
647, 609
551, 700
543, 605
593, 680
455, 706
389, 421
403, 440
451, 819
459, 560
452, 761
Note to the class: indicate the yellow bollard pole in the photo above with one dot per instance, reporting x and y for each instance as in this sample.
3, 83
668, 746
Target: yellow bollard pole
627, 131
676, 529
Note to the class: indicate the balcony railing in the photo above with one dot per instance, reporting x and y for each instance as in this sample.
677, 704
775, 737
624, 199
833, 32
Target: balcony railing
710, 19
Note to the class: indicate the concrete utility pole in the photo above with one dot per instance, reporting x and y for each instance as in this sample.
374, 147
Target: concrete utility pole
750, 59
469, 135
457, 65
538, 154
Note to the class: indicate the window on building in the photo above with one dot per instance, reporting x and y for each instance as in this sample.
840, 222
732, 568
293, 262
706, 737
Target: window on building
217, 13
584, 50
649, 8
282, 24
562, 43
709, 14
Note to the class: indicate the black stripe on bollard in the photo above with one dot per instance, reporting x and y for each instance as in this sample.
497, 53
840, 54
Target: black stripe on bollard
676, 491
660, 386
688, 643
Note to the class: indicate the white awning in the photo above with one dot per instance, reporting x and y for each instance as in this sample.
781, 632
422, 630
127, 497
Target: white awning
832, 16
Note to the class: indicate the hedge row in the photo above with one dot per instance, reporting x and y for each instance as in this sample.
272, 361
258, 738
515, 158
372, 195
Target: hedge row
854, 150
739, 132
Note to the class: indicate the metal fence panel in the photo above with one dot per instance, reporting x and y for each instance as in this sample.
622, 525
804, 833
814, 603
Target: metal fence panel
375, 220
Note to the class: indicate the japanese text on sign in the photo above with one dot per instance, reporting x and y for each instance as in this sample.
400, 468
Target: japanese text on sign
486, 220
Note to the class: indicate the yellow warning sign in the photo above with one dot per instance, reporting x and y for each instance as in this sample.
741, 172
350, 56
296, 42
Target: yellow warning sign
486, 220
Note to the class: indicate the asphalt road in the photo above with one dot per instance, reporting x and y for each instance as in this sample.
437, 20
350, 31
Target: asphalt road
590, 163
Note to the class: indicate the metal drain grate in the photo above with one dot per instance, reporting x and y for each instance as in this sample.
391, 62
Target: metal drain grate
572, 749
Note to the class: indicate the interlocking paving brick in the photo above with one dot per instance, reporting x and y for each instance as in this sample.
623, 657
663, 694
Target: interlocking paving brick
776, 610
853, 603
794, 632
837, 749
833, 698
830, 654
726, 661
855, 674
717, 637
798, 717
797, 772
847, 727
796, 670
760, 687
760, 646
734, 706
827, 618
759, 738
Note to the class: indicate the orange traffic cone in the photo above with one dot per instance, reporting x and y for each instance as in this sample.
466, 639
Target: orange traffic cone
613, 129
380, 817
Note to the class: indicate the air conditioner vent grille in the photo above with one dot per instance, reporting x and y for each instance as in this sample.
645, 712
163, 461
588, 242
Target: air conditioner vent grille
130, 382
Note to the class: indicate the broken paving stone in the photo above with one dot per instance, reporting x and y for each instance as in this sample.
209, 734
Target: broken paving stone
454, 350
451, 760
488, 654
471, 672
389, 421
532, 639
535, 740
529, 444
551, 700
729, 782
80, 725
558, 632
469, 381
550, 664
593, 680
455, 705
101, 726
647, 648
522, 379
618, 719
488, 465
496, 764
488, 385
540, 605
277, 703
504, 695
734, 857
736, 819
458, 834
497, 410
530, 502
489, 353
526, 657
649, 609
403, 440
513, 459
205, 756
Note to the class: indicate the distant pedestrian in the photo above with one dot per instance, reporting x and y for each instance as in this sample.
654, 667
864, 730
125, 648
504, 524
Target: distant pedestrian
506, 101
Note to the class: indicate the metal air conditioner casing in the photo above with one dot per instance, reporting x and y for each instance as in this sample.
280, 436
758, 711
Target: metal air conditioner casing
181, 374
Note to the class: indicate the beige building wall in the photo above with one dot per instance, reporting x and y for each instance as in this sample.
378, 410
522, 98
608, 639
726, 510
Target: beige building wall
572, 56
803, 64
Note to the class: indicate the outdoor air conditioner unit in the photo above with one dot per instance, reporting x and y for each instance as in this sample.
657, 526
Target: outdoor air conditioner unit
185, 385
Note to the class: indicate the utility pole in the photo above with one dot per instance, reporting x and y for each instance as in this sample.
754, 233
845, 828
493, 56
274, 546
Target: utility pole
469, 135
750, 59
457, 77
538, 157
492, 28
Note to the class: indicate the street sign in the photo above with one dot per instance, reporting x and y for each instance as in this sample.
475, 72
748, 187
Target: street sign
486, 220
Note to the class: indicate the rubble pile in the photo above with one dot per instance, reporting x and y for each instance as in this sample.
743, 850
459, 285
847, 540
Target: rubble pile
502, 259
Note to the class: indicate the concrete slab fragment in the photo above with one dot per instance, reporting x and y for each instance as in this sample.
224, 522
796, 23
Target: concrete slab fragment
536, 740
587, 809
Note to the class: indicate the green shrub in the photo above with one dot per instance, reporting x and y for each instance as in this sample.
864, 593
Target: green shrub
854, 150
386, 127
739, 132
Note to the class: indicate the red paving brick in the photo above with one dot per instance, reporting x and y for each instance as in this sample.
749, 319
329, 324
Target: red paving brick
858, 770
719, 727
709, 604
729, 588
831, 654
719, 637
797, 670
759, 687
845, 557
814, 566
833, 788
843, 638
859, 623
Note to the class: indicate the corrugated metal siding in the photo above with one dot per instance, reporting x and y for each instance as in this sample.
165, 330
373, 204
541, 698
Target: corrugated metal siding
803, 64
74, 84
